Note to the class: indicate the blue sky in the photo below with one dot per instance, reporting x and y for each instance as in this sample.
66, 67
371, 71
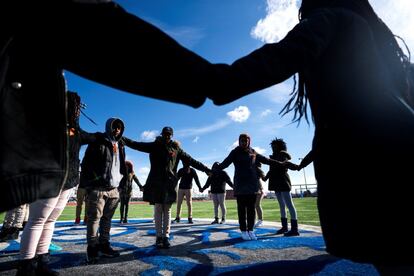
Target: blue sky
220, 31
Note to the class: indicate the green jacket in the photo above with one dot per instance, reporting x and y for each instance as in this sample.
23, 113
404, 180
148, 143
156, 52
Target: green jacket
161, 185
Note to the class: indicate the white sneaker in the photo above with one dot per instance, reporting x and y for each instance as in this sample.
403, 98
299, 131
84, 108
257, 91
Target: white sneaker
252, 236
258, 223
245, 236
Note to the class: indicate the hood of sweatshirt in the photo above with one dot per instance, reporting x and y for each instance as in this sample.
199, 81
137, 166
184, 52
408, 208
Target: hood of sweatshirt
108, 128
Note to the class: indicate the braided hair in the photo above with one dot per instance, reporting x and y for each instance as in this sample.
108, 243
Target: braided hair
394, 57
74, 103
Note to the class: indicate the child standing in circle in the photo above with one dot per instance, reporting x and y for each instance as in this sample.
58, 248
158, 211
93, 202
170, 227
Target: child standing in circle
217, 181
279, 181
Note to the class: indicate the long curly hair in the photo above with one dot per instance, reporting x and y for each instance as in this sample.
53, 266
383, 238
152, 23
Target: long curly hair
278, 144
391, 52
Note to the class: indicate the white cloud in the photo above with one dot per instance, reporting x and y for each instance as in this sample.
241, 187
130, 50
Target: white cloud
279, 93
266, 112
397, 14
202, 130
144, 170
188, 36
232, 146
239, 114
259, 150
149, 135
281, 16
195, 140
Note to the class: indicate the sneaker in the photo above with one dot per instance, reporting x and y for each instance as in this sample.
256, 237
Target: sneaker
77, 220
252, 236
223, 221
177, 220
106, 250
158, 242
92, 254
190, 220
215, 221
125, 220
258, 223
245, 236
166, 242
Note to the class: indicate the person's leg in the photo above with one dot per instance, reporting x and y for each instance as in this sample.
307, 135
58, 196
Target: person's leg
258, 206
11, 224
259, 210
215, 204
95, 204
127, 200
189, 200
283, 218
49, 226
282, 205
111, 203
158, 223
46, 237
166, 225
287, 197
250, 211
241, 211
40, 212
122, 208
222, 204
80, 197
180, 197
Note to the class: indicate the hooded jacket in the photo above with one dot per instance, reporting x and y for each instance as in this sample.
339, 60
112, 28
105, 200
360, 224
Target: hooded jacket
97, 161
279, 180
161, 184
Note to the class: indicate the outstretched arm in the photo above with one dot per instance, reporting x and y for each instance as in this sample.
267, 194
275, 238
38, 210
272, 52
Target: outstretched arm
140, 146
197, 181
108, 45
268, 161
182, 155
135, 178
307, 160
228, 180
275, 62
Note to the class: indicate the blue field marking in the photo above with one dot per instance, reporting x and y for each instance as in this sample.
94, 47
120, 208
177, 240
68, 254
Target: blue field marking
348, 268
231, 255
205, 237
314, 242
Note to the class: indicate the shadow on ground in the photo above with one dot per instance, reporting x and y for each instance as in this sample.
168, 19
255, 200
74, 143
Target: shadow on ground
197, 249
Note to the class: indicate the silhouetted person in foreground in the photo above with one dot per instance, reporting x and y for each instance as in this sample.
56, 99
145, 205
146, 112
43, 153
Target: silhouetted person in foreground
354, 75
97, 40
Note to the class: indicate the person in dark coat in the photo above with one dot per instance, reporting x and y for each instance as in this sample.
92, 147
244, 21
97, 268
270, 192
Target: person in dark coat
125, 190
186, 175
217, 181
103, 166
246, 181
160, 188
355, 77
279, 182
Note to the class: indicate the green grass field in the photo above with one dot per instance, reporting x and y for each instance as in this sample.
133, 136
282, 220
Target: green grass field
305, 207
